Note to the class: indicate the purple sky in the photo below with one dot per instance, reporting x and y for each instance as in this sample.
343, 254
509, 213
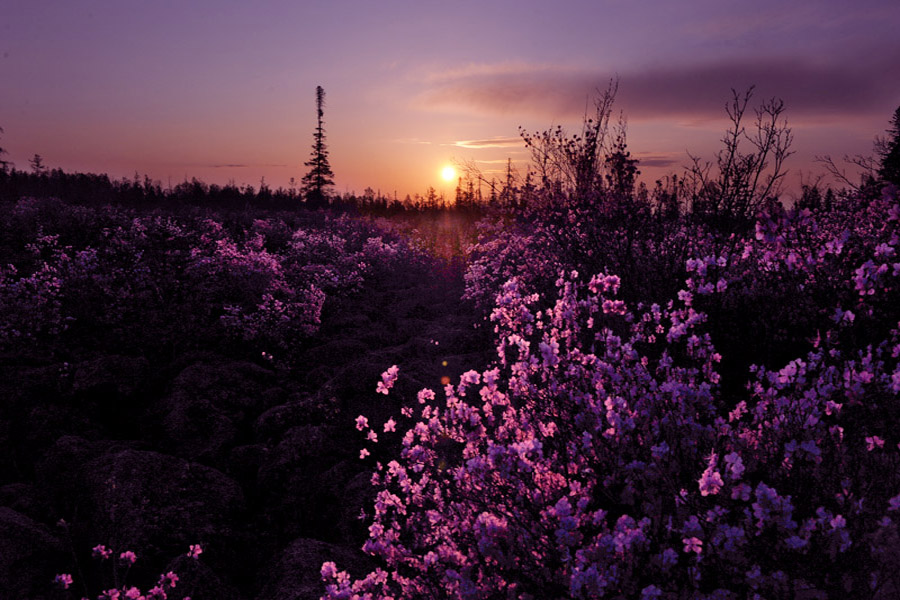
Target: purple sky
226, 90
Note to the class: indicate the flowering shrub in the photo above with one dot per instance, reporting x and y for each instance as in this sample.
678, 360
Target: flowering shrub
600, 458
166, 281
120, 569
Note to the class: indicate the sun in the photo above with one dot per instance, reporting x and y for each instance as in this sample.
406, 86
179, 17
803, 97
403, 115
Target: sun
448, 173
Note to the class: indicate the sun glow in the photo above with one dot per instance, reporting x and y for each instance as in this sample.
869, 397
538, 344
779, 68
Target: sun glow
448, 173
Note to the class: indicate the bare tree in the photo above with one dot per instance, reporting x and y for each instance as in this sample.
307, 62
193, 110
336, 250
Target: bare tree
866, 168
574, 164
742, 182
869, 169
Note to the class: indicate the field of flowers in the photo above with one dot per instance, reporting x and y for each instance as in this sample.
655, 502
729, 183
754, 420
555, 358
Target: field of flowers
622, 402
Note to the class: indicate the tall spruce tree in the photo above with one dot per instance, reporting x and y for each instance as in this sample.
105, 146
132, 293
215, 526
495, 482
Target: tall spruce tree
320, 177
889, 149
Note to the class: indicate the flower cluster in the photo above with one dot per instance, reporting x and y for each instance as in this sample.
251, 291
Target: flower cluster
605, 455
158, 281
121, 591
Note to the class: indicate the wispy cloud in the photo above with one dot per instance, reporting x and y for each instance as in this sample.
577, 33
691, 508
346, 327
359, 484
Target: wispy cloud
496, 161
689, 92
242, 166
411, 141
498, 69
656, 159
496, 142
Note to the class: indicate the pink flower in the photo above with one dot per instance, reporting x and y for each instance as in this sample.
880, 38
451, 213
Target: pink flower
894, 503
361, 422
387, 380
693, 544
363, 453
156, 593
128, 557
169, 579
873, 442
390, 425
329, 570
195, 551
710, 481
102, 552
64, 580
425, 395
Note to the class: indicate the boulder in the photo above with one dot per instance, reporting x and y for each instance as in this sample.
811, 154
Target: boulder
289, 479
295, 574
211, 408
30, 556
305, 410
112, 375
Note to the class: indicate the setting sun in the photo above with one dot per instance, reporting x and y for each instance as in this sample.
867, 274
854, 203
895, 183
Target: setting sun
448, 173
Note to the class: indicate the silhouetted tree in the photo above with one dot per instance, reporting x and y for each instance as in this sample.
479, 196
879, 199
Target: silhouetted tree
320, 176
37, 164
621, 168
4, 164
575, 164
743, 182
889, 149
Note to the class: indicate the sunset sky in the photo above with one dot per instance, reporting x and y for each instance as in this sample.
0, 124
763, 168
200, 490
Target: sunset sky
226, 90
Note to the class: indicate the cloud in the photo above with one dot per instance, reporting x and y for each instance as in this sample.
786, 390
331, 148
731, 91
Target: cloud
242, 166
649, 159
691, 92
496, 161
496, 142
411, 141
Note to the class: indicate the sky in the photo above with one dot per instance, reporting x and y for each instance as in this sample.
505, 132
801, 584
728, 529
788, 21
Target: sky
225, 91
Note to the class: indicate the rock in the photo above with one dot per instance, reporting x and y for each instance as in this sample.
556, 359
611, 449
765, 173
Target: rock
118, 376
244, 463
288, 479
59, 472
337, 352
198, 580
157, 505
344, 492
272, 424
210, 407
154, 504
295, 573
30, 556
24, 498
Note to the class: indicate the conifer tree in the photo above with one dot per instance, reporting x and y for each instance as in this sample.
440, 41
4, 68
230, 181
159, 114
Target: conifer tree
3, 163
320, 176
889, 149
